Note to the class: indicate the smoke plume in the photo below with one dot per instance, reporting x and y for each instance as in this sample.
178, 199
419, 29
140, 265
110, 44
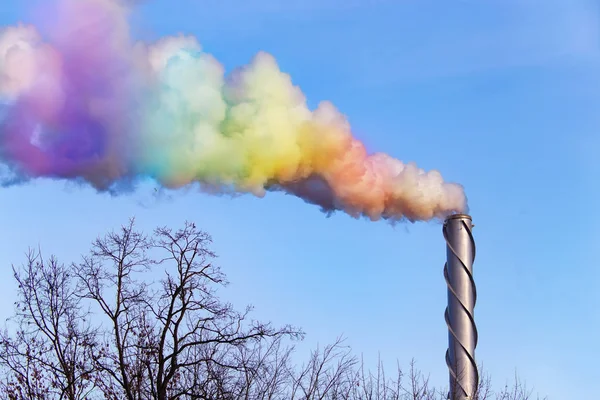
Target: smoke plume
86, 102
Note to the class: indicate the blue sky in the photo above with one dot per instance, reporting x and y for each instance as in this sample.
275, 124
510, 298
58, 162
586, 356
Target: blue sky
501, 96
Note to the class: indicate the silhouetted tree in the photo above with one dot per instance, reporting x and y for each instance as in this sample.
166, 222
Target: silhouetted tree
48, 353
162, 333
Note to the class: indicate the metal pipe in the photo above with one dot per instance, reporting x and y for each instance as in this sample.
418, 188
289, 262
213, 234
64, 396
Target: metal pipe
462, 295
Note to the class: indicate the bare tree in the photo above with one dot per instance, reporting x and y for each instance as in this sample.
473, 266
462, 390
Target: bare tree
162, 333
107, 276
48, 354
328, 374
516, 391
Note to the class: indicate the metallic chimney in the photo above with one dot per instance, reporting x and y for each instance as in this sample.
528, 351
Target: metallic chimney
462, 332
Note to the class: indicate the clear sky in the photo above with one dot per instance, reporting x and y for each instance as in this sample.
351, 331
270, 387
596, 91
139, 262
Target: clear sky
501, 96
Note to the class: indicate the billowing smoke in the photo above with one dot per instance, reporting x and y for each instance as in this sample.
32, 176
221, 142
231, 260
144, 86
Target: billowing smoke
85, 102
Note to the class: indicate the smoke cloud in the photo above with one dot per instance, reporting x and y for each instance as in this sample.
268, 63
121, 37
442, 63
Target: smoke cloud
86, 102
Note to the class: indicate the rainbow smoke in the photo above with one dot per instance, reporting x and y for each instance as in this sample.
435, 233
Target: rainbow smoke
85, 102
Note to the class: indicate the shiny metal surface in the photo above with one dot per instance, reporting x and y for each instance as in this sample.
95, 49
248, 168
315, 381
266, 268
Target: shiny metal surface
462, 295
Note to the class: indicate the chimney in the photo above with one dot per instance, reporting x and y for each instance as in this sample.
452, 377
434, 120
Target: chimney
462, 294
